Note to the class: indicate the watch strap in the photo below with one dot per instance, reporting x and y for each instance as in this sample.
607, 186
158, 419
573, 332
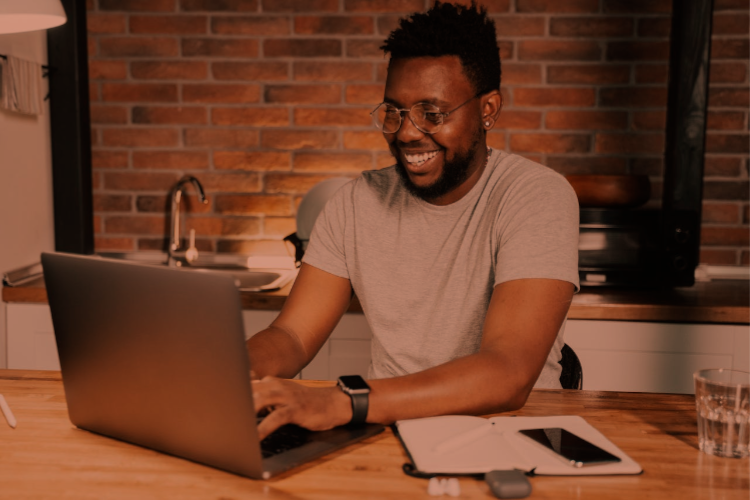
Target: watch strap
360, 403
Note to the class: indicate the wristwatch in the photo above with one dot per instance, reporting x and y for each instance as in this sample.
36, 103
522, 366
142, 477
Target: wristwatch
358, 390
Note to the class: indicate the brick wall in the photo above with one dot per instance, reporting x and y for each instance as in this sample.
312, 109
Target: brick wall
262, 99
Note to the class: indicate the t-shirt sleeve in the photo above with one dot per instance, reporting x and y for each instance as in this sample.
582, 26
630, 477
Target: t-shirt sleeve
326, 249
536, 235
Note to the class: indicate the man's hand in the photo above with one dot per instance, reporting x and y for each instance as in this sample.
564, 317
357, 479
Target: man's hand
314, 408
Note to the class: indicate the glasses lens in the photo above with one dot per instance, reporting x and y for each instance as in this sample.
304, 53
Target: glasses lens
387, 118
427, 117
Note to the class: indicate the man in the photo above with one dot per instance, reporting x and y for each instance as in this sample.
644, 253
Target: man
464, 258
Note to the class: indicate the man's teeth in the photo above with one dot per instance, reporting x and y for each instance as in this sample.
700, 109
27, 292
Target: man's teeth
420, 158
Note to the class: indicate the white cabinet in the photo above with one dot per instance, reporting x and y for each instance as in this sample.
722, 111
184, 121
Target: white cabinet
635, 356
31, 339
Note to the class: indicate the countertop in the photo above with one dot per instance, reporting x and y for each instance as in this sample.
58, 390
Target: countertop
718, 301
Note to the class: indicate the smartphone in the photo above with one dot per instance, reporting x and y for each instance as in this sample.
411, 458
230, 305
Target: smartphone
572, 449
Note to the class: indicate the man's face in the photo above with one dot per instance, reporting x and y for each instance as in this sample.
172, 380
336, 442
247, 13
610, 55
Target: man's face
441, 167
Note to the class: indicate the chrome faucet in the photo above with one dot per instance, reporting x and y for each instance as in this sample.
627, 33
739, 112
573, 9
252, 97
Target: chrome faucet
175, 226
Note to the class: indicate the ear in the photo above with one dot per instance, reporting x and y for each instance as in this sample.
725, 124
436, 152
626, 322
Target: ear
492, 104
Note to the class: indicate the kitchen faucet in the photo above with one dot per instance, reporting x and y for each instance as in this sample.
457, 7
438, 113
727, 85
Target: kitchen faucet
175, 227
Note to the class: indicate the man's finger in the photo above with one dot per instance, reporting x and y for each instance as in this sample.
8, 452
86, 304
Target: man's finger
273, 421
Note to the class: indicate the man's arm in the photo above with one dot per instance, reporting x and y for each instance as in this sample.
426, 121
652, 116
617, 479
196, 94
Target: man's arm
315, 305
522, 322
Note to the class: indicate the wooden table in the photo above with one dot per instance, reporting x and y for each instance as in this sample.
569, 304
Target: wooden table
46, 457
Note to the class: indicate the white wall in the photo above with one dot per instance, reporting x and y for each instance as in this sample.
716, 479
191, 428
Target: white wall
26, 221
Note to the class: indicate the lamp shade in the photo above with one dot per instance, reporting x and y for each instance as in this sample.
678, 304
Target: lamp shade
30, 15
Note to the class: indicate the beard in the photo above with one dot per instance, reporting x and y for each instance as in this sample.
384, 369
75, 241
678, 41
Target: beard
455, 172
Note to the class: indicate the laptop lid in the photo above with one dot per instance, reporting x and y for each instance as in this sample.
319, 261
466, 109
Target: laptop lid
156, 357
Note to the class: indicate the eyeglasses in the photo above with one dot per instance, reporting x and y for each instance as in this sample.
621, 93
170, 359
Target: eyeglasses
427, 118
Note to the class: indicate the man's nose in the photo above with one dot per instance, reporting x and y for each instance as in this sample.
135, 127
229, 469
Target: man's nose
408, 132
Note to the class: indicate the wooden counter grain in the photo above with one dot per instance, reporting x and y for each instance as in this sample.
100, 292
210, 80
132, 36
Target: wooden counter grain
45, 457
721, 301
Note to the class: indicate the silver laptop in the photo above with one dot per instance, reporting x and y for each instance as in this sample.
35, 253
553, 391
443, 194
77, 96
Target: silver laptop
156, 357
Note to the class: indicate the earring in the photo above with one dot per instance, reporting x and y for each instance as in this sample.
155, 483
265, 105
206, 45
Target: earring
487, 123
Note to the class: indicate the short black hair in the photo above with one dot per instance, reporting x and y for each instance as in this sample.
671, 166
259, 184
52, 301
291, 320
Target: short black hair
451, 30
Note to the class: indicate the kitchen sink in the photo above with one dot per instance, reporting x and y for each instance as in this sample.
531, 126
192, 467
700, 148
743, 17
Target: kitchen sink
251, 273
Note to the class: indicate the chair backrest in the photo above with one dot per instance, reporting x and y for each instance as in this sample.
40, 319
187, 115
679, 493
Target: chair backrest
572, 372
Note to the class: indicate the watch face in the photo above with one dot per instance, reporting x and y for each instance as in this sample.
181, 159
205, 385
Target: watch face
354, 382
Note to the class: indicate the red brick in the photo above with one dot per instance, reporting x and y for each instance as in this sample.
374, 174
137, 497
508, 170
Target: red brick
113, 244
135, 224
332, 162
726, 166
638, 6
653, 167
108, 114
139, 92
221, 138
220, 93
550, 143
506, 50
718, 212
213, 47
518, 26
301, 94
138, 5
181, 160
731, 4
250, 25
251, 160
588, 73
364, 94
140, 137
90, 5
279, 226
364, 48
258, 117
169, 70
726, 190
599, 26
138, 47
332, 71
139, 181
385, 159
112, 203
654, 27
227, 182
556, 96
730, 48
219, 5
299, 139
407, 6
731, 24
105, 23
577, 165
91, 47
297, 47
173, 25
163, 204
381, 72
717, 257
635, 144
548, 50
254, 204
372, 140
727, 143
586, 120
336, 117
514, 119
637, 51
745, 258
226, 226
333, 25
729, 97
386, 24
300, 5
633, 97
724, 236
490, 5
514, 74
292, 183
495, 140
727, 72
725, 120
250, 70
107, 70
556, 6
182, 115
651, 73
649, 120
109, 159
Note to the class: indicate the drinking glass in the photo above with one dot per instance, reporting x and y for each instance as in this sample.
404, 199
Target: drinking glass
722, 401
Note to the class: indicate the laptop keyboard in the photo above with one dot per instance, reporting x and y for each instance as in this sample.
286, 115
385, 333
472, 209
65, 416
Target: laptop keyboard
283, 439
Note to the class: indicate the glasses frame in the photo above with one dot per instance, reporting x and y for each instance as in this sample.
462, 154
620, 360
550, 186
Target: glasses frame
407, 112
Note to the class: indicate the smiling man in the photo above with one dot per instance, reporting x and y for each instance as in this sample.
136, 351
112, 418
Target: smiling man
464, 258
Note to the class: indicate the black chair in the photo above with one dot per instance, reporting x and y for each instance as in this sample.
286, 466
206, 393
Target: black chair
572, 372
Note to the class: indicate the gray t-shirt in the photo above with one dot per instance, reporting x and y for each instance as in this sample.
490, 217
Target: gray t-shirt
424, 274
